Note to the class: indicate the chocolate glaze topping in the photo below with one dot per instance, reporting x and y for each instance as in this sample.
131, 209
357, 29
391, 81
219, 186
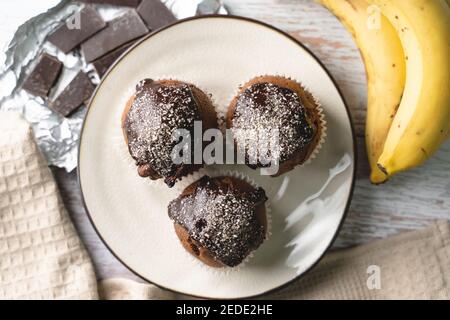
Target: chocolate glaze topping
221, 218
156, 112
269, 106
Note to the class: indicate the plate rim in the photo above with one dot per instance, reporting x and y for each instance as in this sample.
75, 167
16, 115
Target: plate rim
289, 37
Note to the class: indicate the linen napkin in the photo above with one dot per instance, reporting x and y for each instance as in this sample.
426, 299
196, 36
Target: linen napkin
42, 257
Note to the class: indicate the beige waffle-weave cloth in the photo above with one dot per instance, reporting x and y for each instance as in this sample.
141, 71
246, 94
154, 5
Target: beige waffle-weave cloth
41, 256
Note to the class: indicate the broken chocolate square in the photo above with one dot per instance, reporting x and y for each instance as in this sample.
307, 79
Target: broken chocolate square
102, 64
78, 91
77, 29
118, 32
44, 75
155, 14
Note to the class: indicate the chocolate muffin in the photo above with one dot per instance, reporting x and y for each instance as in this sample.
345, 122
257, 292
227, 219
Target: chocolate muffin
220, 220
152, 114
273, 102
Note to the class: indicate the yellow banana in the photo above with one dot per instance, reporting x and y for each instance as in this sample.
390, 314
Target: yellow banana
383, 56
422, 121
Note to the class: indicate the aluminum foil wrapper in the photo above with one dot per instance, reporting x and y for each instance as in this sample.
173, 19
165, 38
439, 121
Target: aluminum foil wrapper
57, 136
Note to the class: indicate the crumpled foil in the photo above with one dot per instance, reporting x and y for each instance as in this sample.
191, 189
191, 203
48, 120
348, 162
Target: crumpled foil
56, 136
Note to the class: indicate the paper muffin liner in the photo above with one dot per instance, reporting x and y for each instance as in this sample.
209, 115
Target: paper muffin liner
190, 178
222, 109
121, 148
213, 173
323, 131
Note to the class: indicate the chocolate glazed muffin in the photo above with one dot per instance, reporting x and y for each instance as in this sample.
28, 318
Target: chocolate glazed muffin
220, 220
151, 116
273, 102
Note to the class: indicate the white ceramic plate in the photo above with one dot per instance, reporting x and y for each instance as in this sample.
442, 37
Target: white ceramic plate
130, 213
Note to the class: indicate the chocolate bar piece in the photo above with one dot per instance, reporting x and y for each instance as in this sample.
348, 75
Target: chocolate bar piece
44, 75
77, 29
74, 95
124, 3
102, 64
155, 14
118, 32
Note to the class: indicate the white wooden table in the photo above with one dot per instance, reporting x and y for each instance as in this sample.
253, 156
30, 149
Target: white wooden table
411, 200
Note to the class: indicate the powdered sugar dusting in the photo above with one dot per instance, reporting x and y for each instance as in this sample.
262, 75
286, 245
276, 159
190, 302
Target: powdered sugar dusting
221, 219
264, 107
156, 112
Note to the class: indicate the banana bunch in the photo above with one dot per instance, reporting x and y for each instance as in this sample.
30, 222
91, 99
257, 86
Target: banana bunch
405, 45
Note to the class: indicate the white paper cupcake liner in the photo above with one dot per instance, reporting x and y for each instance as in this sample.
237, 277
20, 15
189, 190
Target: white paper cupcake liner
222, 109
239, 175
323, 132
